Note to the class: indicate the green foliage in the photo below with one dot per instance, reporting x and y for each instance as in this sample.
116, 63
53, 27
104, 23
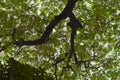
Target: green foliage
98, 41
14, 70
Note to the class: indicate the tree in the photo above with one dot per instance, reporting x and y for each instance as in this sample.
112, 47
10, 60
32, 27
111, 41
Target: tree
72, 39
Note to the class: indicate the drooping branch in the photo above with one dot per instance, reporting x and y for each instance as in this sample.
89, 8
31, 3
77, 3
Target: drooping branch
72, 43
64, 14
74, 24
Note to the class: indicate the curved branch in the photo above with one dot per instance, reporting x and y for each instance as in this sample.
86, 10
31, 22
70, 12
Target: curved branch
64, 14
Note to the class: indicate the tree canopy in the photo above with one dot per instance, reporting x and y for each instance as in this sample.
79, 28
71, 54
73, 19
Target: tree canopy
61, 39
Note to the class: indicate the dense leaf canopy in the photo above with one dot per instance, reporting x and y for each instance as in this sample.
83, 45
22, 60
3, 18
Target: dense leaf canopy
45, 34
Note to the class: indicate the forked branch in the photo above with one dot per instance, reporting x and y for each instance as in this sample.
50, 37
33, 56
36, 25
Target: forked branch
64, 14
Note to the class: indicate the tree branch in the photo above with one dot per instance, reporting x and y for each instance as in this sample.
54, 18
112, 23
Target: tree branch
74, 24
72, 43
64, 14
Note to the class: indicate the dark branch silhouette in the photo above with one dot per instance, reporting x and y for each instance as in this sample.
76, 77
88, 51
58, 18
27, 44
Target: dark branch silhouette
74, 24
64, 14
